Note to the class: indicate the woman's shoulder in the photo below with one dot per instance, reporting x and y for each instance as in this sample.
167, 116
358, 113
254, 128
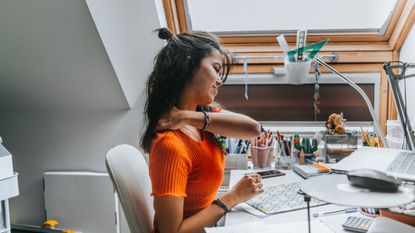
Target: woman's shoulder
167, 139
168, 145
166, 135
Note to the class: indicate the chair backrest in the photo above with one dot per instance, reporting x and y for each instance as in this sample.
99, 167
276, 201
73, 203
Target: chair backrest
129, 173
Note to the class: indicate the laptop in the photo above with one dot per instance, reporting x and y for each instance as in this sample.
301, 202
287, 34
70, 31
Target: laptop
394, 162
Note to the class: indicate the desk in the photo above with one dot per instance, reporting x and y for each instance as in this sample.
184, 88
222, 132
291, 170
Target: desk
237, 216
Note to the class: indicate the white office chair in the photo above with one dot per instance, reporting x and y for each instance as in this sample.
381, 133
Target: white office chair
129, 173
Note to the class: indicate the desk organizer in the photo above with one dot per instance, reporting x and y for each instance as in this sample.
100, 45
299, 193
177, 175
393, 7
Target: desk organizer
339, 146
262, 157
236, 161
296, 72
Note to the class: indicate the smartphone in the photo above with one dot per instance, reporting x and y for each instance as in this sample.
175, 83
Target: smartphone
270, 173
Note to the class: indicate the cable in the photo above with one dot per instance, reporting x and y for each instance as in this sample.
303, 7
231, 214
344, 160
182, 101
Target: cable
405, 109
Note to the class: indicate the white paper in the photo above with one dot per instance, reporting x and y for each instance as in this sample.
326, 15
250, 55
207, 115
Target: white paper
294, 227
249, 209
241, 228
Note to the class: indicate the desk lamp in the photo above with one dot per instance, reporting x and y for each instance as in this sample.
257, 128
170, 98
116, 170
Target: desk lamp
362, 93
396, 71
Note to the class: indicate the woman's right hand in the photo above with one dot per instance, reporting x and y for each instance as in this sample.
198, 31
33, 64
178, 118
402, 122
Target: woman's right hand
172, 120
247, 187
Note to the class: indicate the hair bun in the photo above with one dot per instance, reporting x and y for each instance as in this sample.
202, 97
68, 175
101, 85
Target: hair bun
165, 34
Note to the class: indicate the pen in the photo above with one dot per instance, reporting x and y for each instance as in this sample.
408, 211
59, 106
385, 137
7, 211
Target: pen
347, 210
283, 44
238, 147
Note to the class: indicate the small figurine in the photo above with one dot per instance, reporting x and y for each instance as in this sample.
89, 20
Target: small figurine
335, 124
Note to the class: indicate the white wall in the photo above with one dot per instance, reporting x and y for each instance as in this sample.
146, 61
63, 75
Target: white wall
126, 30
407, 54
45, 134
51, 57
52, 140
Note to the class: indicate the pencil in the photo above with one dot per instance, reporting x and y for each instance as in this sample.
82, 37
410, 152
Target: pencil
321, 167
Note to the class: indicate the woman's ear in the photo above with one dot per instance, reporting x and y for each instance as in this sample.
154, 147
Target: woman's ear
219, 82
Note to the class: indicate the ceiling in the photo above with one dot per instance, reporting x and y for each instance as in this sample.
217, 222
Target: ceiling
77, 54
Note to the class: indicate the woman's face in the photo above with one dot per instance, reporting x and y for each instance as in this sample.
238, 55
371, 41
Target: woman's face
206, 80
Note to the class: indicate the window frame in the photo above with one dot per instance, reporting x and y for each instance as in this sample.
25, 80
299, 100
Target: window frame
357, 52
177, 21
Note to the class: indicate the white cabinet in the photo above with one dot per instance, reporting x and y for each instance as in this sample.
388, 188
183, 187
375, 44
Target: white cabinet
82, 201
8, 188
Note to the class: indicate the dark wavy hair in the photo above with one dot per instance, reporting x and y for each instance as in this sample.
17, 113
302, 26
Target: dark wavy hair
174, 67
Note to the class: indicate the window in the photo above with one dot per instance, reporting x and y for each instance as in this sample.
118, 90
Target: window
364, 33
271, 17
247, 21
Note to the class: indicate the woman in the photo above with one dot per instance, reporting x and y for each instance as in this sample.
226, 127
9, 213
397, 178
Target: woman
185, 160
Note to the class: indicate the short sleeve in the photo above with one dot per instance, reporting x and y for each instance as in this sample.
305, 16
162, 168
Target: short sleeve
169, 167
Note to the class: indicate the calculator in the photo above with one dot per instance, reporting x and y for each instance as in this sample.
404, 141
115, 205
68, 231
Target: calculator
357, 224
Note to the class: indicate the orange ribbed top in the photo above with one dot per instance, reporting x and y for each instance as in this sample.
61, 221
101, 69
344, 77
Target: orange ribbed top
182, 167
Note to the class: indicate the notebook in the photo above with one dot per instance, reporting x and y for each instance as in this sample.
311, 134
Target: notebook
307, 171
281, 198
394, 162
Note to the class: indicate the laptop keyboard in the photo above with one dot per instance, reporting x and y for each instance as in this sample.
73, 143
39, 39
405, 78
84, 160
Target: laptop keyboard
403, 163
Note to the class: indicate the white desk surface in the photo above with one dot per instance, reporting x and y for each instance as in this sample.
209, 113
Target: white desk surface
238, 216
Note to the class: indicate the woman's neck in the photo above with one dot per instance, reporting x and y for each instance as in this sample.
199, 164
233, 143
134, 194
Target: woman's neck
185, 103
186, 107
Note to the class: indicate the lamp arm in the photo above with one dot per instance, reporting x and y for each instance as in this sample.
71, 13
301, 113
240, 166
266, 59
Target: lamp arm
400, 107
364, 96
400, 104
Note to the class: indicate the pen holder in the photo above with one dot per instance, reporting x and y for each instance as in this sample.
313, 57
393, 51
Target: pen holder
296, 72
236, 162
283, 161
262, 156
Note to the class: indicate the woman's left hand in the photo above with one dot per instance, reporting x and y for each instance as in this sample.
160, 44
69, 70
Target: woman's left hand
173, 120
247, 187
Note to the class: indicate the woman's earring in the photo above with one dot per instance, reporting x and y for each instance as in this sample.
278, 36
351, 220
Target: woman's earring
219, 82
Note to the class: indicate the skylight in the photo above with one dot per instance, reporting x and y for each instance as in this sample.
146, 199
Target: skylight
273, 16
